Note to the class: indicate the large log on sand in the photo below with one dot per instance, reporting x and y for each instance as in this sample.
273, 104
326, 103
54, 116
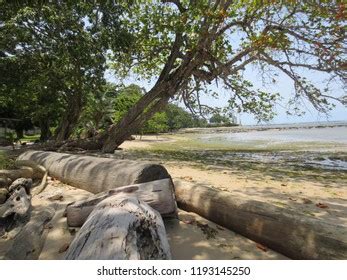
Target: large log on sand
294, 235
95, 174
158, 194
121, 229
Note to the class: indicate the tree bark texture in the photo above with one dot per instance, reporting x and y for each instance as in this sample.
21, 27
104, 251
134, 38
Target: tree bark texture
95, 174
70, 118
294, 235
157, 194
121, 229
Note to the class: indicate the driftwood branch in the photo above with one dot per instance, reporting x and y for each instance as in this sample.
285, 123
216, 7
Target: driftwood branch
157, 194
121, 229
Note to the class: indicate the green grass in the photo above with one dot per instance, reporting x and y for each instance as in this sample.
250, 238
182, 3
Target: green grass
30, 138
6, 161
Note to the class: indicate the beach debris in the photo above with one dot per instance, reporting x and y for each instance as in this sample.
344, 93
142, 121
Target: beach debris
5, 182
57, 196
262, 221
220, 228
306, 201
18, 203
95, 174
208, 231
322, 205
121, 229
158, 194
24, 248
21, 183
187, 178
3, 195
261, 247
188, 222
64, 248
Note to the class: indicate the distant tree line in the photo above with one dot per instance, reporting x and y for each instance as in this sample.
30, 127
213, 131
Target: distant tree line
113, 103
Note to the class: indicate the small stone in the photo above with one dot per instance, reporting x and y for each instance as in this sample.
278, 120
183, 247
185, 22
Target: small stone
3, 195
322, 205
56, 197
306, 201
4, 182
188, 178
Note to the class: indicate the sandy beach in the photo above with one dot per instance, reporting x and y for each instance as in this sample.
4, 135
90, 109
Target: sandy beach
315, 193
309, 192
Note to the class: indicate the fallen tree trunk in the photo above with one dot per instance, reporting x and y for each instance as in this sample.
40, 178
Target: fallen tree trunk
95, 174
294, 235
24, 172
121, 229
157, 194
38, 170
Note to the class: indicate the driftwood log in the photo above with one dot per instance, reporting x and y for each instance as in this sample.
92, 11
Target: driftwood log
19, 201
121, 229
294, 235
28, 243
157, 194
24, 172
95, 174
26, 169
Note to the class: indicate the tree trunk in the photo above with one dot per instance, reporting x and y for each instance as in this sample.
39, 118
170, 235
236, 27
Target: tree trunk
158, 194
19, 132
152, 102
70, 118
95, 174
45, 131
287, 232
121, 229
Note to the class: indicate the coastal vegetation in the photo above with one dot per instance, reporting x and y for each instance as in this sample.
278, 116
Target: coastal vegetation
120, 124
55, 58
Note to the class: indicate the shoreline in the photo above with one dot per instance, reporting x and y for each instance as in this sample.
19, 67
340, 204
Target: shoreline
249, 128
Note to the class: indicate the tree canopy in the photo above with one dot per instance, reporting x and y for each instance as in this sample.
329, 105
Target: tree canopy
54, 56
189, 45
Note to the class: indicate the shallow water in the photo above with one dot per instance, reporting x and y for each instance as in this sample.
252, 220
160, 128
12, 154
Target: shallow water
274, 136
322, 147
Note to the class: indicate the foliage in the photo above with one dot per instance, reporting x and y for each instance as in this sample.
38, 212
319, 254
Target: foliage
6, 161
53, 56
157, 124
126, 98
178, 118
98, 112
191, 44
219, 119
